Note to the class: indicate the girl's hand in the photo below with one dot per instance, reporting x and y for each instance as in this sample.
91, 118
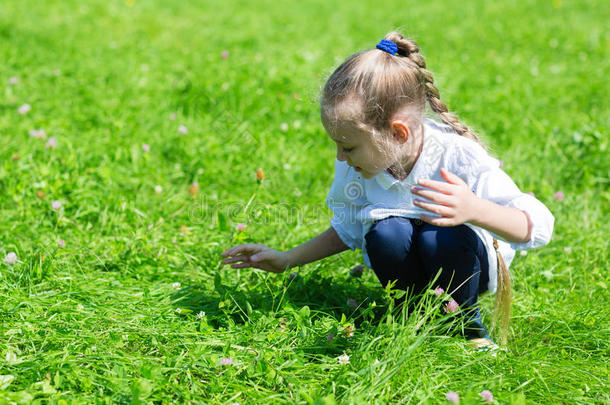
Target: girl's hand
258, 256
452, 200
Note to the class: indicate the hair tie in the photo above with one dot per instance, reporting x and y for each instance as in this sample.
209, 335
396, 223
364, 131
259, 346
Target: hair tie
388, 46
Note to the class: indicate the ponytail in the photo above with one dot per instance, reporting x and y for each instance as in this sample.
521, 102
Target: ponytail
409, 49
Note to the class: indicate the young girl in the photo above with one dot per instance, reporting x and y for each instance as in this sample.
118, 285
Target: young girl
417, 196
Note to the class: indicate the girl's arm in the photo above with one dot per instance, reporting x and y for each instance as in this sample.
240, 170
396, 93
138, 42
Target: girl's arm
325, 244
262, 257
509, 223
456, 204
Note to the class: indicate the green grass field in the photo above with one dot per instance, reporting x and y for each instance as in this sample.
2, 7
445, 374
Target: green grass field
102, 318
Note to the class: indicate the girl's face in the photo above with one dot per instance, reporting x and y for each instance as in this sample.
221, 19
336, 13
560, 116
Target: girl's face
357, 147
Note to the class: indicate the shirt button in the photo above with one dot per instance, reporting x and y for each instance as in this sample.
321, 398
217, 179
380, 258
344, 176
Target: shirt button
418, 222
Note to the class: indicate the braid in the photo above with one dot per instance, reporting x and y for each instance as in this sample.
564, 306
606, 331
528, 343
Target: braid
409, 49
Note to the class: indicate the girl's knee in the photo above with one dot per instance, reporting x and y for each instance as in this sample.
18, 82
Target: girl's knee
389, 237
435, 241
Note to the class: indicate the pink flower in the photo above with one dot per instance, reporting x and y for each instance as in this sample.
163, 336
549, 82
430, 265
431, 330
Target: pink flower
11, 258
330, 336
145, 147
486, 395
559, 196
56, 205
38, 133
224, 54
352, 303
451, 307
24, 109
182, 129
240, 227
51, 143
61, 243
172, 116
453, 397
226, 361
13, 80
439, 291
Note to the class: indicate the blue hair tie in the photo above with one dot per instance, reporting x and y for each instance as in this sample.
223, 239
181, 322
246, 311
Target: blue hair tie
388, 46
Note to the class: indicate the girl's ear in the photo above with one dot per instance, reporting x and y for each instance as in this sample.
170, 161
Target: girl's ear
401, 131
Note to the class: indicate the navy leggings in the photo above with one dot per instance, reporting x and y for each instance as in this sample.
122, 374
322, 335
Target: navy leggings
412, 252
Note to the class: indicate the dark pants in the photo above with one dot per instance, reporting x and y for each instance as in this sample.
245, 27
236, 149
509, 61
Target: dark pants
412, 252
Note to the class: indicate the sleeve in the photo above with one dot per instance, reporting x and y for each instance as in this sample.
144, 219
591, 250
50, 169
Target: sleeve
483, 174
345, 213
496, 186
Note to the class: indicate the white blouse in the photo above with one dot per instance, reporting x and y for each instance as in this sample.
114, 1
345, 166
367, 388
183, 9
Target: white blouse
357, 202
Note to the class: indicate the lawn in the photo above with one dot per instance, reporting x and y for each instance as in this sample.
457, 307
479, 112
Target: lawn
130, 136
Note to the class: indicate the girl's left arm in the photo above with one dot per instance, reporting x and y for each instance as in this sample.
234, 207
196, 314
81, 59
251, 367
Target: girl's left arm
455, 204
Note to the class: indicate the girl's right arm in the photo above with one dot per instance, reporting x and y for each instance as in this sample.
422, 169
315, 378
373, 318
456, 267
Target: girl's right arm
262, 257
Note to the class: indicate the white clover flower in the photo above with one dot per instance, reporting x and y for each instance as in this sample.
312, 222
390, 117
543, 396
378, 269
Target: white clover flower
13, 80
183, 129
11, 258
176, 286
56, 205
178, 310
24, 109
158, 189
200, 315
343, 359
284, 127
523, 253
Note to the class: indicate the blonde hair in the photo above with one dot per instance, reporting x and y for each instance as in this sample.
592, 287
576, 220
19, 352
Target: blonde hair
373, 86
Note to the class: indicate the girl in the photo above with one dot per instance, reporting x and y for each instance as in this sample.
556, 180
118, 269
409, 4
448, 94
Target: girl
417, 196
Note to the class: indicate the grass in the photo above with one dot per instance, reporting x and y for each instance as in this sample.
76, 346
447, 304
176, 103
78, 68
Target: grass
96, 320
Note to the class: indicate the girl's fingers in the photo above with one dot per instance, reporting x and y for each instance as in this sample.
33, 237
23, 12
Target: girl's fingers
433, 196
443, 187
235, 259
435, 208
241, 265
436, 221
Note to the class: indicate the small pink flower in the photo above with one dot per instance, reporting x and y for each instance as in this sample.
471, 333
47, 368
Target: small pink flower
559, 196
226, 361
172, 116
13, 80
24, 109
51, 143
38, 133
11, 258
453, 397
145, 147
56, 205
330, 336
439, 291
352, 303
224, 54
240, 227
486, 395
61, 243
56, 72
183, 129
451, 307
